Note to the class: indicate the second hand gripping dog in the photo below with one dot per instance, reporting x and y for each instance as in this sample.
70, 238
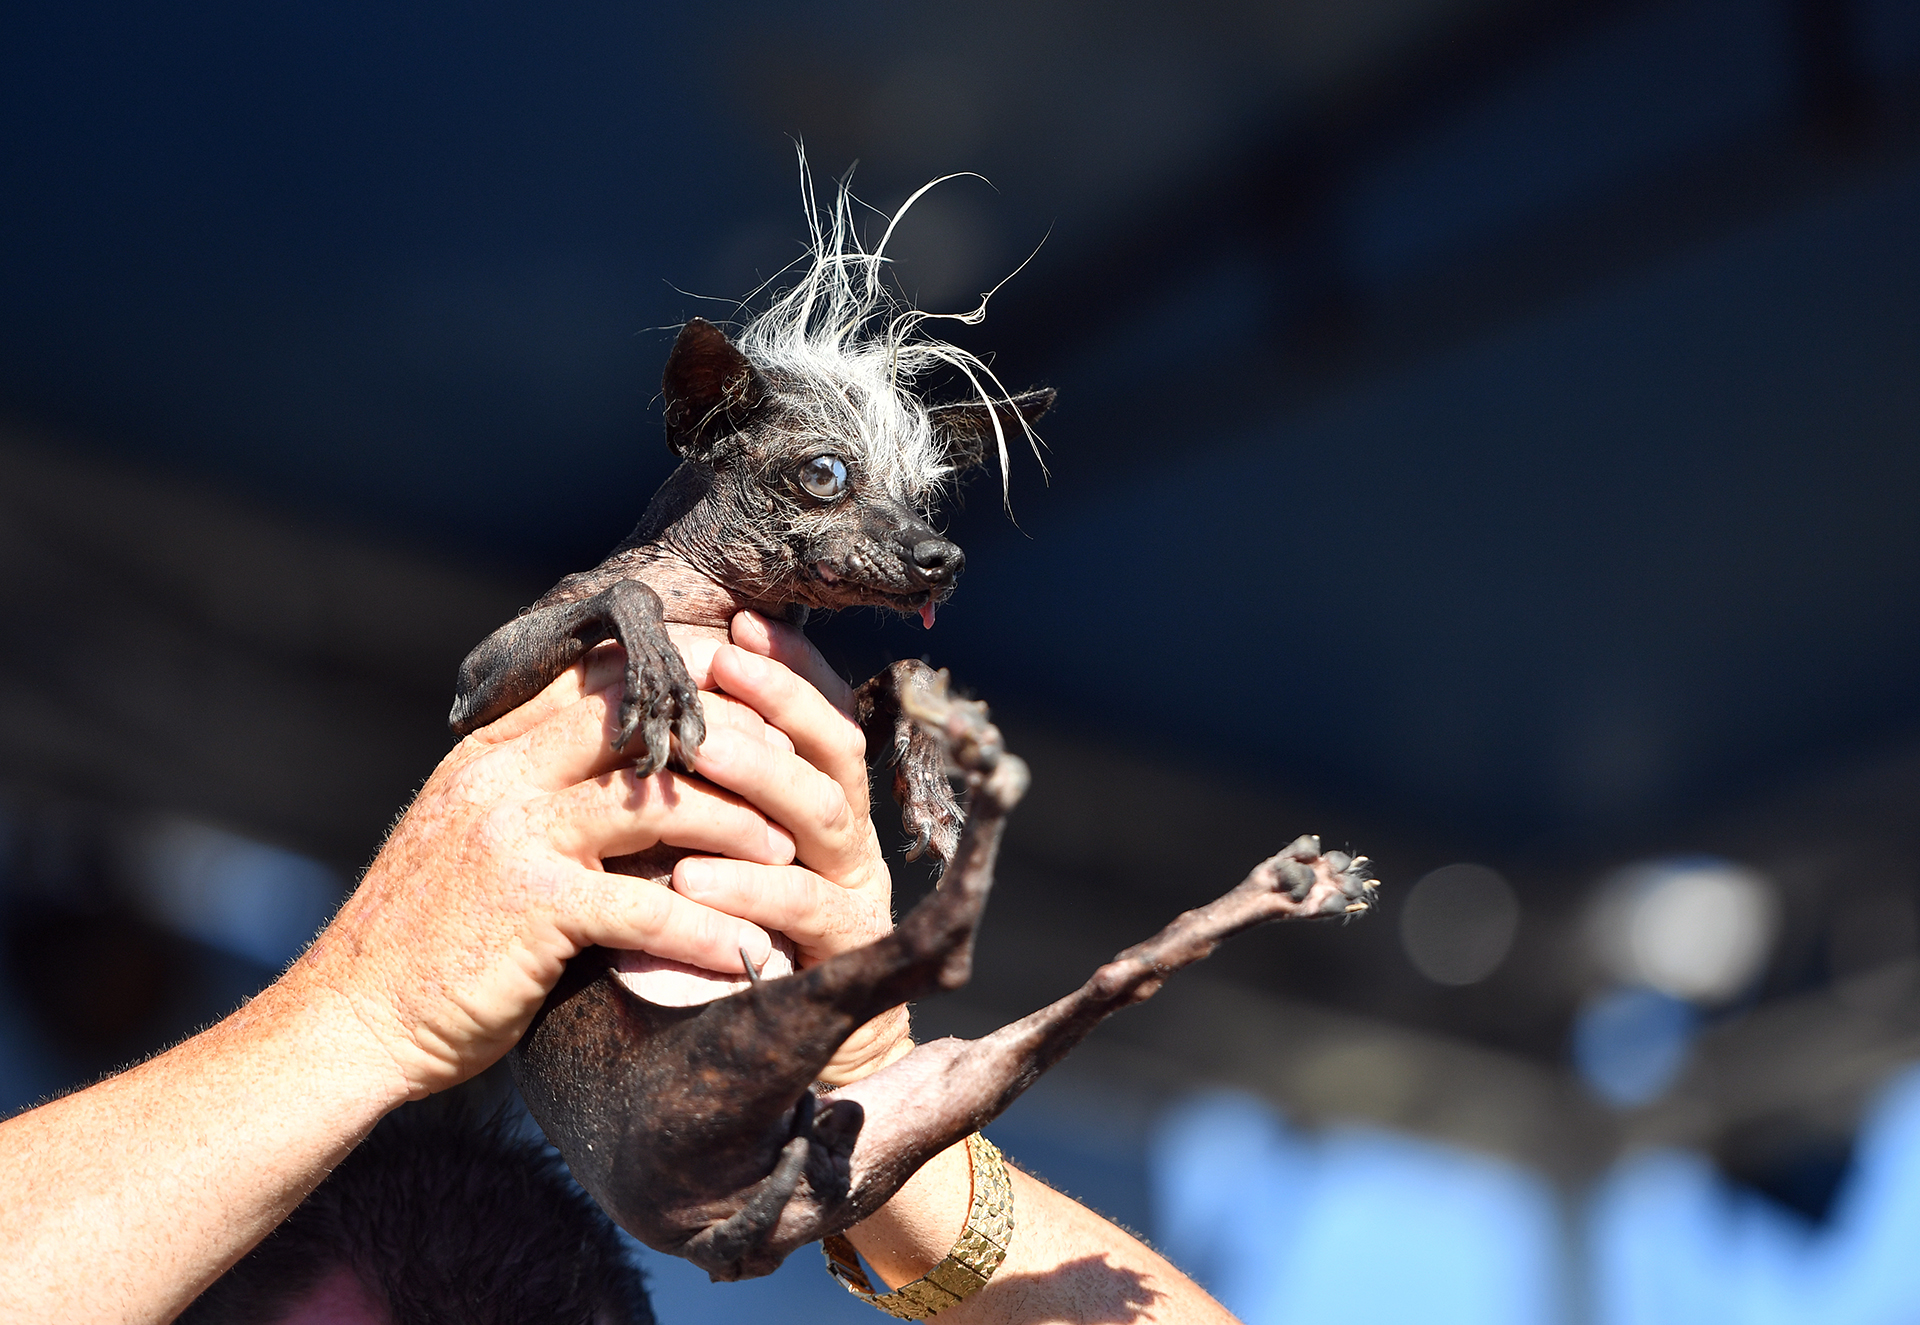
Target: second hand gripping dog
686, 1101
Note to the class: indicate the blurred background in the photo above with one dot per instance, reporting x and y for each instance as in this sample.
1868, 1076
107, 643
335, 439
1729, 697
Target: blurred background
1487, 438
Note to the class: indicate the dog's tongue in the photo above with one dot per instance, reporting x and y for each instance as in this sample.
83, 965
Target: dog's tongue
926, 613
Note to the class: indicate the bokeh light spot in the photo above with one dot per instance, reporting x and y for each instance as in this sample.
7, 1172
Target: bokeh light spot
1630, 1044
1458, 923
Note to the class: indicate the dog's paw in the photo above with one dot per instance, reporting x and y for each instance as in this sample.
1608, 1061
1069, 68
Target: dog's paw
660, 701
970, 744
1319, 885
929, 811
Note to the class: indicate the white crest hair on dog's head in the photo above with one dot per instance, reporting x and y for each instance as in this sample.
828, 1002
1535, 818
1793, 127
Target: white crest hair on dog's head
846, 350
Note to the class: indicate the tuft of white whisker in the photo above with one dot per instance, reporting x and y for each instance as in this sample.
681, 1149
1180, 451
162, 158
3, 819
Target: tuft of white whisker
843, 348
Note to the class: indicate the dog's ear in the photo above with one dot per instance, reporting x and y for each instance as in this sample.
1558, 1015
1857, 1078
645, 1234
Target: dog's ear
710, 388
965, 428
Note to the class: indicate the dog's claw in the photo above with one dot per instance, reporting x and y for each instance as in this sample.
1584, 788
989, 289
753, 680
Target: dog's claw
661, 705
921, 843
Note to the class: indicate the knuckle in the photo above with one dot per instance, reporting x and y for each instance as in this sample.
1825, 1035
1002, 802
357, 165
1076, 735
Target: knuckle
804, 899
704, 930
832, 812
649, 910
852, 743
471, 779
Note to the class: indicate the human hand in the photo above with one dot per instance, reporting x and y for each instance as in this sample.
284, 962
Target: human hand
810, 776
492, 880
784, 741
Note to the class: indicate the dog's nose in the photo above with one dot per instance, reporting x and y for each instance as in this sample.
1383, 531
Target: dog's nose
937, 560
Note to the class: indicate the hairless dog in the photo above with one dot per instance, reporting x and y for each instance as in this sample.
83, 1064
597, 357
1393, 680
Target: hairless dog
810, 471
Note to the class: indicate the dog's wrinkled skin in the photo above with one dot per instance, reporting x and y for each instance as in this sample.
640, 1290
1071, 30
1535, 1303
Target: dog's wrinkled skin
700, 1130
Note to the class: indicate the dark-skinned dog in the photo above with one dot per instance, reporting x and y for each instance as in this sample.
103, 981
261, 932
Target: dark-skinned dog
808, 478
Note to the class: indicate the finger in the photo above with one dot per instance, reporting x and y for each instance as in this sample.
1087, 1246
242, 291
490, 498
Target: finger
576, 742
696, 651
789, 646
604, 665
790, 792
618, 813
821, 917
726, 711
618, 911
822, 735
572, 743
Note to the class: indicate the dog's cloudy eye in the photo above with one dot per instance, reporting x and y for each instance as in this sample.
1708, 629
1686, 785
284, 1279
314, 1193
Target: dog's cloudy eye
824, 476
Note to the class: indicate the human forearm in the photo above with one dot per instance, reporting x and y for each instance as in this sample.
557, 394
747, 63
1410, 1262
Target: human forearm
1065, 1263
125, 1200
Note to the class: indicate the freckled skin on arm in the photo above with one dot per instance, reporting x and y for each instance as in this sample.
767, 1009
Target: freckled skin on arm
123, 1201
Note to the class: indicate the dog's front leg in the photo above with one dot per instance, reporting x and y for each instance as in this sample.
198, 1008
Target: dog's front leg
522, 658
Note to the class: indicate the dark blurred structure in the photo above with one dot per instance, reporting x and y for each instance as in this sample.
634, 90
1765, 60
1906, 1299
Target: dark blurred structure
1487, 436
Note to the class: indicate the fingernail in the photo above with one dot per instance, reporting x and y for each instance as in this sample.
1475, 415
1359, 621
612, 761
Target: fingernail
752, 666
780, 844
756, 944
693, 875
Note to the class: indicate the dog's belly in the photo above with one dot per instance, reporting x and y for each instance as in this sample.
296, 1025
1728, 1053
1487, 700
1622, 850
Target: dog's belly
678, 985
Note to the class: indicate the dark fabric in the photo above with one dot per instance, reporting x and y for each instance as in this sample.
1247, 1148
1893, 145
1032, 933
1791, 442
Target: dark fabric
451, 1216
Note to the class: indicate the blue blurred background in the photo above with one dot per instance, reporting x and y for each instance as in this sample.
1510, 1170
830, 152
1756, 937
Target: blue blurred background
1489, 436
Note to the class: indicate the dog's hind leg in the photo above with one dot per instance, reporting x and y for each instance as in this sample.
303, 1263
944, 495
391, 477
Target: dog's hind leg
941, 1091
947, 1088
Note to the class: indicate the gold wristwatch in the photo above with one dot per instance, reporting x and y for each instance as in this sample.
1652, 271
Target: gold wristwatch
977, 1253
